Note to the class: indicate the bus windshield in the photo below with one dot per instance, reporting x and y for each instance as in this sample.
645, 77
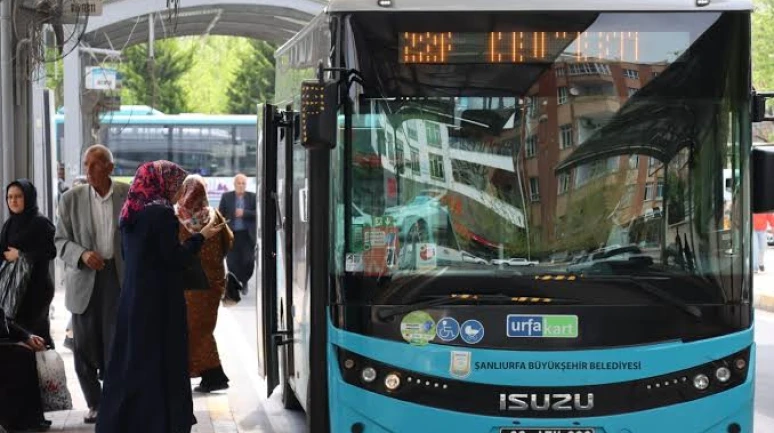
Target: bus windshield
527, 154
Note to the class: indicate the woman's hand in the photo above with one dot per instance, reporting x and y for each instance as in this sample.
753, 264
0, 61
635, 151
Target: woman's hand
211, 229
36, 343
11, 255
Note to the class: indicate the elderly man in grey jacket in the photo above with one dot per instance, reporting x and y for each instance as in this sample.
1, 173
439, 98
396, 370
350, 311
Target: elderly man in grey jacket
88, 241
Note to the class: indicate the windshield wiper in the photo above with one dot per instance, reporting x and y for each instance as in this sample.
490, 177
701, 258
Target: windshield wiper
644, 285
470, 298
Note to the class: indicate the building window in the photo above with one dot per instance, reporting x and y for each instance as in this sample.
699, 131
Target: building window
561, 95
414, 160
564, 183
560, 71
652, 162
634, 161
532, 107
631, 91
631, 73
565, 136
436, 167
649, 191
660, 190
534, 191
612, 164
531, 147
588, 69
433, 131
655, 74
412, 131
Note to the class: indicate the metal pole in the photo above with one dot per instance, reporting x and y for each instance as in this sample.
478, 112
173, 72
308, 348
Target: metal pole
152, 58
73, 115
102, 51
8, 144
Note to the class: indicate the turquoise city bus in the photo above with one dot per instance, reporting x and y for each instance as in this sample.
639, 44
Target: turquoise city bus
512, 217
216, 146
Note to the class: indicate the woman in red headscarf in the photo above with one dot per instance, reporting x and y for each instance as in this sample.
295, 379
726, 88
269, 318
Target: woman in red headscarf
146, 384
194, 213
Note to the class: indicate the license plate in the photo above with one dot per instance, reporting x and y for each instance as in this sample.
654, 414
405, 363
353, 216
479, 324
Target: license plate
547, 430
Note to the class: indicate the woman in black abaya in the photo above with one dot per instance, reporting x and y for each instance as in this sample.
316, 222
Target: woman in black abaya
28, 233
147, 388
20, 406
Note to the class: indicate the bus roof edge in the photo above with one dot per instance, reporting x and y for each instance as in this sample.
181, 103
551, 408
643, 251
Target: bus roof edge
337, 6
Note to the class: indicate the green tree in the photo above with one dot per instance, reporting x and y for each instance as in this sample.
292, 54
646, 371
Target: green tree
161, 85
55, 80
763, 45
216, 62
254, 81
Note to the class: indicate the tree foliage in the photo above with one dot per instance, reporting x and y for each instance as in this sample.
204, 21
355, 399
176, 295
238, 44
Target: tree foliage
216, 62
160, 87
254, 81
763, 45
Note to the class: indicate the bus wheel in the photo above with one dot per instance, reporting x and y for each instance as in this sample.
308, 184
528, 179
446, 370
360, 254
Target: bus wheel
289, 399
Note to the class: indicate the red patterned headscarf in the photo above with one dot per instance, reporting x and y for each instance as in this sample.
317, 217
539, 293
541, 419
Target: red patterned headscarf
155, 183
193, 208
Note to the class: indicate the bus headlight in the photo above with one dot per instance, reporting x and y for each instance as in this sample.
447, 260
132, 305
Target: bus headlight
740, 363
701, 382
723, 374
368, 374
392, 381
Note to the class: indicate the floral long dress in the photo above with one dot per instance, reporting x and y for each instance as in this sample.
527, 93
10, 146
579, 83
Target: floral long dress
203, 304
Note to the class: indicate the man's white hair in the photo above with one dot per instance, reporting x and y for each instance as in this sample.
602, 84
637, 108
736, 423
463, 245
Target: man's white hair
101, 149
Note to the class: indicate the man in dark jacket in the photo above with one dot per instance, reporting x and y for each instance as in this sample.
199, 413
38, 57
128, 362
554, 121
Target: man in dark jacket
239, 207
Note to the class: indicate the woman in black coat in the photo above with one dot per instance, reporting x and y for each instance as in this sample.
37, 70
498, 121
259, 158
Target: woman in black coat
147, 388
20, 404
28, 233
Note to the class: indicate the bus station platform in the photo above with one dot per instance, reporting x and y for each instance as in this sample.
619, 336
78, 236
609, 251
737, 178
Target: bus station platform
242, 408
763, 289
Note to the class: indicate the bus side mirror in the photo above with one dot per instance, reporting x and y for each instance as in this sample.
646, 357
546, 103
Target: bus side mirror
762, 187
761, 111
318, 114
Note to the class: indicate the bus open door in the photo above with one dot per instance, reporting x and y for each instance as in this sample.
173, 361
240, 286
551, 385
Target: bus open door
266, 246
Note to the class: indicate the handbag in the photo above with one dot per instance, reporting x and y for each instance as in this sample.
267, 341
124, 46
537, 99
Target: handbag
194, 277
14, 279
52, 381
5, 330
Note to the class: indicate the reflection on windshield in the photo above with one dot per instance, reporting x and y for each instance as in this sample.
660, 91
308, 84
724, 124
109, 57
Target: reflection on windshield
602, 167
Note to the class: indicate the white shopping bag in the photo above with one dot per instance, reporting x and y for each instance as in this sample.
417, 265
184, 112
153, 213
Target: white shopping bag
53, 382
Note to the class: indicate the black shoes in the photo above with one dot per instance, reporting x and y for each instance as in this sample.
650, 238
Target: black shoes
39, 426
91, 417
206, 388
213, 379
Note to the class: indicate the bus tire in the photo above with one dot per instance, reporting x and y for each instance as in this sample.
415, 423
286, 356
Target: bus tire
289, 399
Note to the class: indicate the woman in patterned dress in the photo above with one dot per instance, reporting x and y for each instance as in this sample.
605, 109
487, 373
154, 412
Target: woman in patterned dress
194, 212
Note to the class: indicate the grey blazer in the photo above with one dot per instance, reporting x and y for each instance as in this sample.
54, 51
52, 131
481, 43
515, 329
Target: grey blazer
75, 235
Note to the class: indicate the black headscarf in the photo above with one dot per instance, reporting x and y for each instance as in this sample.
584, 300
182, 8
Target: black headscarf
17, 230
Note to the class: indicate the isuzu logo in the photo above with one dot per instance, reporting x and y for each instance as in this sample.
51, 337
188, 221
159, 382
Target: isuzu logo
543, 402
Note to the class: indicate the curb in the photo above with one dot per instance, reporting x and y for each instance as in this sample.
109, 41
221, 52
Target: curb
764, 302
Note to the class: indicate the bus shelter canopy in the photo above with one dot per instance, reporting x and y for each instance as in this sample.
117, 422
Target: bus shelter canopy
124, 23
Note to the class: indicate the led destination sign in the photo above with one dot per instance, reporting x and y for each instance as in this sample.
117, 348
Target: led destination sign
516, 47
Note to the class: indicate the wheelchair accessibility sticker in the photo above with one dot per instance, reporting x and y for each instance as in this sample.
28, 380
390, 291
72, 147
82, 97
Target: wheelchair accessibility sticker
448, 329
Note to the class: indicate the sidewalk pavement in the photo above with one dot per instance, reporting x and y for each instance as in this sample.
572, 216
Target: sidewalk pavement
763, 290
236, 410
763, 284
